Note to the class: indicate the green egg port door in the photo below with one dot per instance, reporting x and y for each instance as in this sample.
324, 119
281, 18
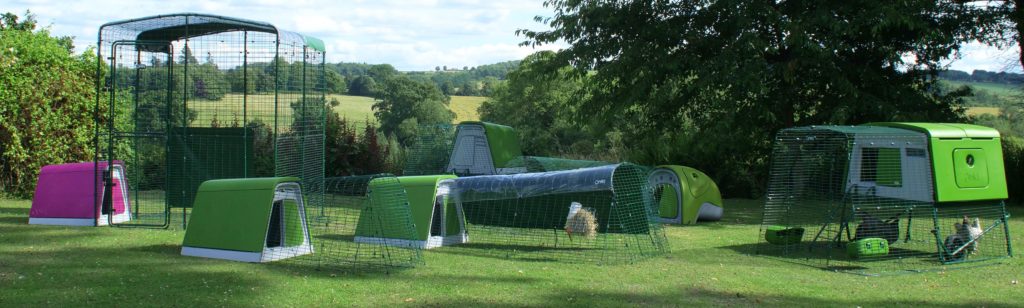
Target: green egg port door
140, 90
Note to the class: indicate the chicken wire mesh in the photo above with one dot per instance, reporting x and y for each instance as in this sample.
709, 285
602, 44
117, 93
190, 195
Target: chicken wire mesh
431, 150
194, 97
356, 213
599, 215
861, 199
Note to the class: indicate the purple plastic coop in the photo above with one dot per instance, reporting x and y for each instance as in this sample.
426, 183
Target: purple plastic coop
68, 195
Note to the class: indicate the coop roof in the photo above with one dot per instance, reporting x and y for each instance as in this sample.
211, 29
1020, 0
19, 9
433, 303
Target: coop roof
496, 187
173, 27
945, 130
502, 140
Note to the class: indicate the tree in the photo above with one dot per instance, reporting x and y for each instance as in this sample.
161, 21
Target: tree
403, 103
363, 86
536, 101
381, 72
47, 99
742, 70
335, 83
469, 88
437, 68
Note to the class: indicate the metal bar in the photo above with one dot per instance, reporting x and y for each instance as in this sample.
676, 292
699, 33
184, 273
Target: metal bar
245, 105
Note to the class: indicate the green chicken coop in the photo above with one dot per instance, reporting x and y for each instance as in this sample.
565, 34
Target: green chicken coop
886, 197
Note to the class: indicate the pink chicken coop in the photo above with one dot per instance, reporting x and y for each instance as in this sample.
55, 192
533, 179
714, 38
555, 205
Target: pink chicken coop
71, 194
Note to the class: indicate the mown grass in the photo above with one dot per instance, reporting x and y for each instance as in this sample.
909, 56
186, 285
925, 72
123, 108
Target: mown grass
710, 264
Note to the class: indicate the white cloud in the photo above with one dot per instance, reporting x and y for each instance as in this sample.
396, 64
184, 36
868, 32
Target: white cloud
978, 56
411, 35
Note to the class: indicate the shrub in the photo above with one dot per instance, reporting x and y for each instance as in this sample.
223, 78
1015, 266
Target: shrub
44, 92
1013, 156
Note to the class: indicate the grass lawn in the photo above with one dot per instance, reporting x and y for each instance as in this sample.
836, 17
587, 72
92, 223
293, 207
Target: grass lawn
709, 265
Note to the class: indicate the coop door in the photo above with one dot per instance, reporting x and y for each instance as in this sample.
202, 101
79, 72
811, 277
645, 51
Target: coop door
436, 219
134, 131
285, 229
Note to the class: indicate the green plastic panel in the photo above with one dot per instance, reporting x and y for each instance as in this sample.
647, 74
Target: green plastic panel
956, 178
970, 168
889, 167
698, 188
233, 214
503, 142
293, 223
421, 191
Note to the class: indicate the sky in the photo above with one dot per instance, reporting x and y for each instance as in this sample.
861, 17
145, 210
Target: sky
410, 35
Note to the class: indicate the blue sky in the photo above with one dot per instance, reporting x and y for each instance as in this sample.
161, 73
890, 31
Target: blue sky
411, 35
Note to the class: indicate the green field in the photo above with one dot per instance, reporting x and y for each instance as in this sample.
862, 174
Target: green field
356, 109
465, 107
710, 264
994, 88
988, 97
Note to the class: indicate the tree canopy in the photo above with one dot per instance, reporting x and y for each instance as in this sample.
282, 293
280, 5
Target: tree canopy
723, 76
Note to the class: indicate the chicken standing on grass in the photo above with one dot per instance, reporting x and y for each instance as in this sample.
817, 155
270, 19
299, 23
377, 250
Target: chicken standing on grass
580, 221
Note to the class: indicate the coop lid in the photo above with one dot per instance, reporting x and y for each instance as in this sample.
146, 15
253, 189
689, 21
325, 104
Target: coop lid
502, 140
245, 184
944, 130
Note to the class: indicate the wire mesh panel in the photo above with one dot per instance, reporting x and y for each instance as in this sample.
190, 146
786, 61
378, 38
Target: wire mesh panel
598, 215
358, 213
197, 97
859, 199
431, 150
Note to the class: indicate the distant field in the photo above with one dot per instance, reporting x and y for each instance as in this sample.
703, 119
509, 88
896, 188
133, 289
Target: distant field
994, 88
988, 95
356, 109
465, 107
974, 111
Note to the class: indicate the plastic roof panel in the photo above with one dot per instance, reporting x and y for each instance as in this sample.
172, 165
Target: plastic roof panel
175, 27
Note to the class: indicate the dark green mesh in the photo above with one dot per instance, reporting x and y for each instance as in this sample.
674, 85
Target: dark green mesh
194, 97
431, 150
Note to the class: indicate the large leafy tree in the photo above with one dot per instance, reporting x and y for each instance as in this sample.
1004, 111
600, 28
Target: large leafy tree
403, 103
719, 78
535, 101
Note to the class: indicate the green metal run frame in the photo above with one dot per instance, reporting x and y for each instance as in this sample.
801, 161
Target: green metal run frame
173, 117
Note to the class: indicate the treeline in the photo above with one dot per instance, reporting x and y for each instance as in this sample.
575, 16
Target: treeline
983, 76
362, 79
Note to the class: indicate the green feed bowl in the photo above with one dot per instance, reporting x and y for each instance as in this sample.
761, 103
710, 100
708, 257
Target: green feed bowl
780, 235
869, 247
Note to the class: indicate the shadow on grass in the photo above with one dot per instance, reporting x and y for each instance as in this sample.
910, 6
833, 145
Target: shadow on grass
21, 211
111, 277
697, 296
14, 220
